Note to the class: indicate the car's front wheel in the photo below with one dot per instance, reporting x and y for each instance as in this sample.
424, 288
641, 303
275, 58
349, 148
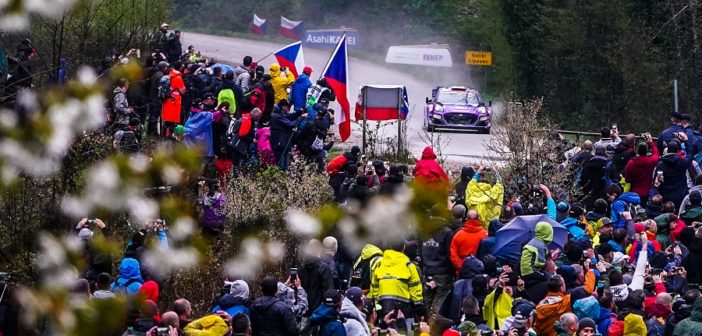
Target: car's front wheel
485, 131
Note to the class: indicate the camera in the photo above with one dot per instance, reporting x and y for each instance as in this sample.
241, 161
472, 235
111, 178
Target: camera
91, 222
160, 331
536, 192
500, 269
4, 276
293, 274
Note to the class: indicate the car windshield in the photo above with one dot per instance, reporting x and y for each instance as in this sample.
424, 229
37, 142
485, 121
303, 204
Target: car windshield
458, 97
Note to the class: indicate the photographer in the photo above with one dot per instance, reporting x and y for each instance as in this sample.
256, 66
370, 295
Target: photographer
483, 197
674, 170
98, 262
313, 133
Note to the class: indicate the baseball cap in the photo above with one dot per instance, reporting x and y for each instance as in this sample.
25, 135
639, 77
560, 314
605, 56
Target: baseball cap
164, 25
606, 221
355, 294
307, 70
208, 95
523, 313
619, 257
179, 130
332, 297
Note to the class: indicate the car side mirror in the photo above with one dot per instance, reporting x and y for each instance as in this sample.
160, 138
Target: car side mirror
428, 100
490, 103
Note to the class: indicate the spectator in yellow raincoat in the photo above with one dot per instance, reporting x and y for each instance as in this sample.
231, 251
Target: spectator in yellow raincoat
280, 84
484, 198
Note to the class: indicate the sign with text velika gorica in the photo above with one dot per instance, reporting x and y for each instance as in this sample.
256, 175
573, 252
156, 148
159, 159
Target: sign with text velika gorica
330, 37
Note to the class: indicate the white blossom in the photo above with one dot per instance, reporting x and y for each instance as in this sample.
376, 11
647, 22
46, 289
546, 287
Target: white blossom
301, 223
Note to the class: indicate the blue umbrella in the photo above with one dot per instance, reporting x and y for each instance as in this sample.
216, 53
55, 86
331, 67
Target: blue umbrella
510, 239
225, 68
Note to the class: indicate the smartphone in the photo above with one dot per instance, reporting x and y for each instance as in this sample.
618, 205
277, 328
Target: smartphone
293, 274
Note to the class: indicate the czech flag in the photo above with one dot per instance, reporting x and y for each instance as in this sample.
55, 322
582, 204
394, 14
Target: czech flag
384, 105
291, 56
337, 75
291, 29
259, 26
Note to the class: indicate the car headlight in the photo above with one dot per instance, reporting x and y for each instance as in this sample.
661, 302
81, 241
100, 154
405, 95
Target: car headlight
482, 110
436, 116
438, 108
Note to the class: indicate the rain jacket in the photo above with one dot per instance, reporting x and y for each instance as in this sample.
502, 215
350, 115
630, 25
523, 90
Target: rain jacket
604, 319
354, 320
280, 83
128, 272
620, 205
560, 330
316, 279
436, 253
634, 325
485, 199
213, 210
663, 234
272, 317
674, 187
295, 299
172, 106
362, 277
639, 171
263, 146
466, 242
549, 310
198, 131
396, 278
429, 172
452, 308
535, 252
686, 201
572, 224
693, 324
211, 325
497, 308
298, 94
121, 106
149, 291
328, 319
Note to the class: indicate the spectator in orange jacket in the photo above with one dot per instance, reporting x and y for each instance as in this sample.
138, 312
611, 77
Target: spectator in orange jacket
467, 240
552, 307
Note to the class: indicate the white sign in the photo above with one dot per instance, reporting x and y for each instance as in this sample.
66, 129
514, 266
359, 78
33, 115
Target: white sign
429, 55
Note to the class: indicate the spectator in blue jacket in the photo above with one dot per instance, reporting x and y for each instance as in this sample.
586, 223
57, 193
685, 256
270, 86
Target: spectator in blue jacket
298, 93
669, 132
674, 168
236, 301
129, 280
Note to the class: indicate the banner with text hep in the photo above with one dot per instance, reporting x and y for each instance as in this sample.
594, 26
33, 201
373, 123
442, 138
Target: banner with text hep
483, 58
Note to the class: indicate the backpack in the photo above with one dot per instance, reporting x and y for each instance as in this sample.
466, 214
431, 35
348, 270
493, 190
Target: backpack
122, 287
233, 140
164, 87
361, 272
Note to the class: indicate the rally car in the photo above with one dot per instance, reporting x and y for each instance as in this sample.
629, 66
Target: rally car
457, 108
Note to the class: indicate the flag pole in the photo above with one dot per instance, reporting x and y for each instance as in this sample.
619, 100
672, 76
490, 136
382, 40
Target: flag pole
264, 57
338, 45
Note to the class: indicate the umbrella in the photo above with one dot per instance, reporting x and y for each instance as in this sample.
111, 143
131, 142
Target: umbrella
225, 68
510, 239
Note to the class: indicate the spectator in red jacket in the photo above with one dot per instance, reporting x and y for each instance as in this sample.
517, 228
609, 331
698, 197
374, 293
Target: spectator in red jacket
467, 240
427, 171
639, 170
